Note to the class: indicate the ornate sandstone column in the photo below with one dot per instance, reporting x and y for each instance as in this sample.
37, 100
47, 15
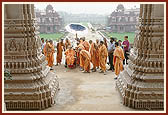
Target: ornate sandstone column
141, 84
33, 85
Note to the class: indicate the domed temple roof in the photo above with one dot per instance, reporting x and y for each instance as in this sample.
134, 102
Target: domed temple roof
120, 7
49, 7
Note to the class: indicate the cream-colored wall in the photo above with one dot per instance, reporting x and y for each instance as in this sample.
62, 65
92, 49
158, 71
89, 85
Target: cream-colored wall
158, 10
16, 11
13, 11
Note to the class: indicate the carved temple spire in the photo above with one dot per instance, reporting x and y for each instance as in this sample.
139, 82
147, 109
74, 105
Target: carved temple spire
33, 85
141, 84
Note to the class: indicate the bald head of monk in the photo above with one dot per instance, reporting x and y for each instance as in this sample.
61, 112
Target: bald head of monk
90, 41
83, 38
62, 40
66, 39
80, 49
46, 40
77, 39
116, 44
51, 42
97, 41
101, 43
77, 43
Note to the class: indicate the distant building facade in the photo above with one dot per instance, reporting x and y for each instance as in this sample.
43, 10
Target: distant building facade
123, 20
49, 20
84, 17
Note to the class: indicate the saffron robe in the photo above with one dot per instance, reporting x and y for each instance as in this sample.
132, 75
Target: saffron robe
118, 60
79, 59
94, 52
59, 52
86, 45
85, 57
105, 43
67, 43
103, 53
45, 50
70, 56
50, 55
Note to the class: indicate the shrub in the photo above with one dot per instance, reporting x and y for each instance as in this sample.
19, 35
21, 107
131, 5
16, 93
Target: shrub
7, 75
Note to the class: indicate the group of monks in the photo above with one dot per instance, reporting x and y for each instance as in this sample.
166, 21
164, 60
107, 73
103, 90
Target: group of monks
84, 54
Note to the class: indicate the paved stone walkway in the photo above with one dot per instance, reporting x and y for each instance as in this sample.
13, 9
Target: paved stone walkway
86, 91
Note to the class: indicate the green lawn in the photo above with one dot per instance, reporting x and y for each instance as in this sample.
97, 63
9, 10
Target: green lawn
85, 23
57, 36
120, 36
54, 37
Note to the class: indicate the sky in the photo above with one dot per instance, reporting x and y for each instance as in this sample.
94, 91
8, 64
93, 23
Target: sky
86, 7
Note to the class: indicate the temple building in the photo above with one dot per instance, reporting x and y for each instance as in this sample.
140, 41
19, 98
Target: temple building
49, 20
123, 20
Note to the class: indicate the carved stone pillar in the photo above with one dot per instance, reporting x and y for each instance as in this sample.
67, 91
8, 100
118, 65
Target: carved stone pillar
33, 86
141, 84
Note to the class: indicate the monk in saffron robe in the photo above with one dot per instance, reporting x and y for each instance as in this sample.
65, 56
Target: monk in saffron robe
105, 42
80, 46
118, 59
60, 47
77, 56
50, 53
81, 41
86, 44
94, 52
70, 56
78, 53
45, 49
80, 58
90, 42
98, 43
67, 43
103, 53
85, 55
